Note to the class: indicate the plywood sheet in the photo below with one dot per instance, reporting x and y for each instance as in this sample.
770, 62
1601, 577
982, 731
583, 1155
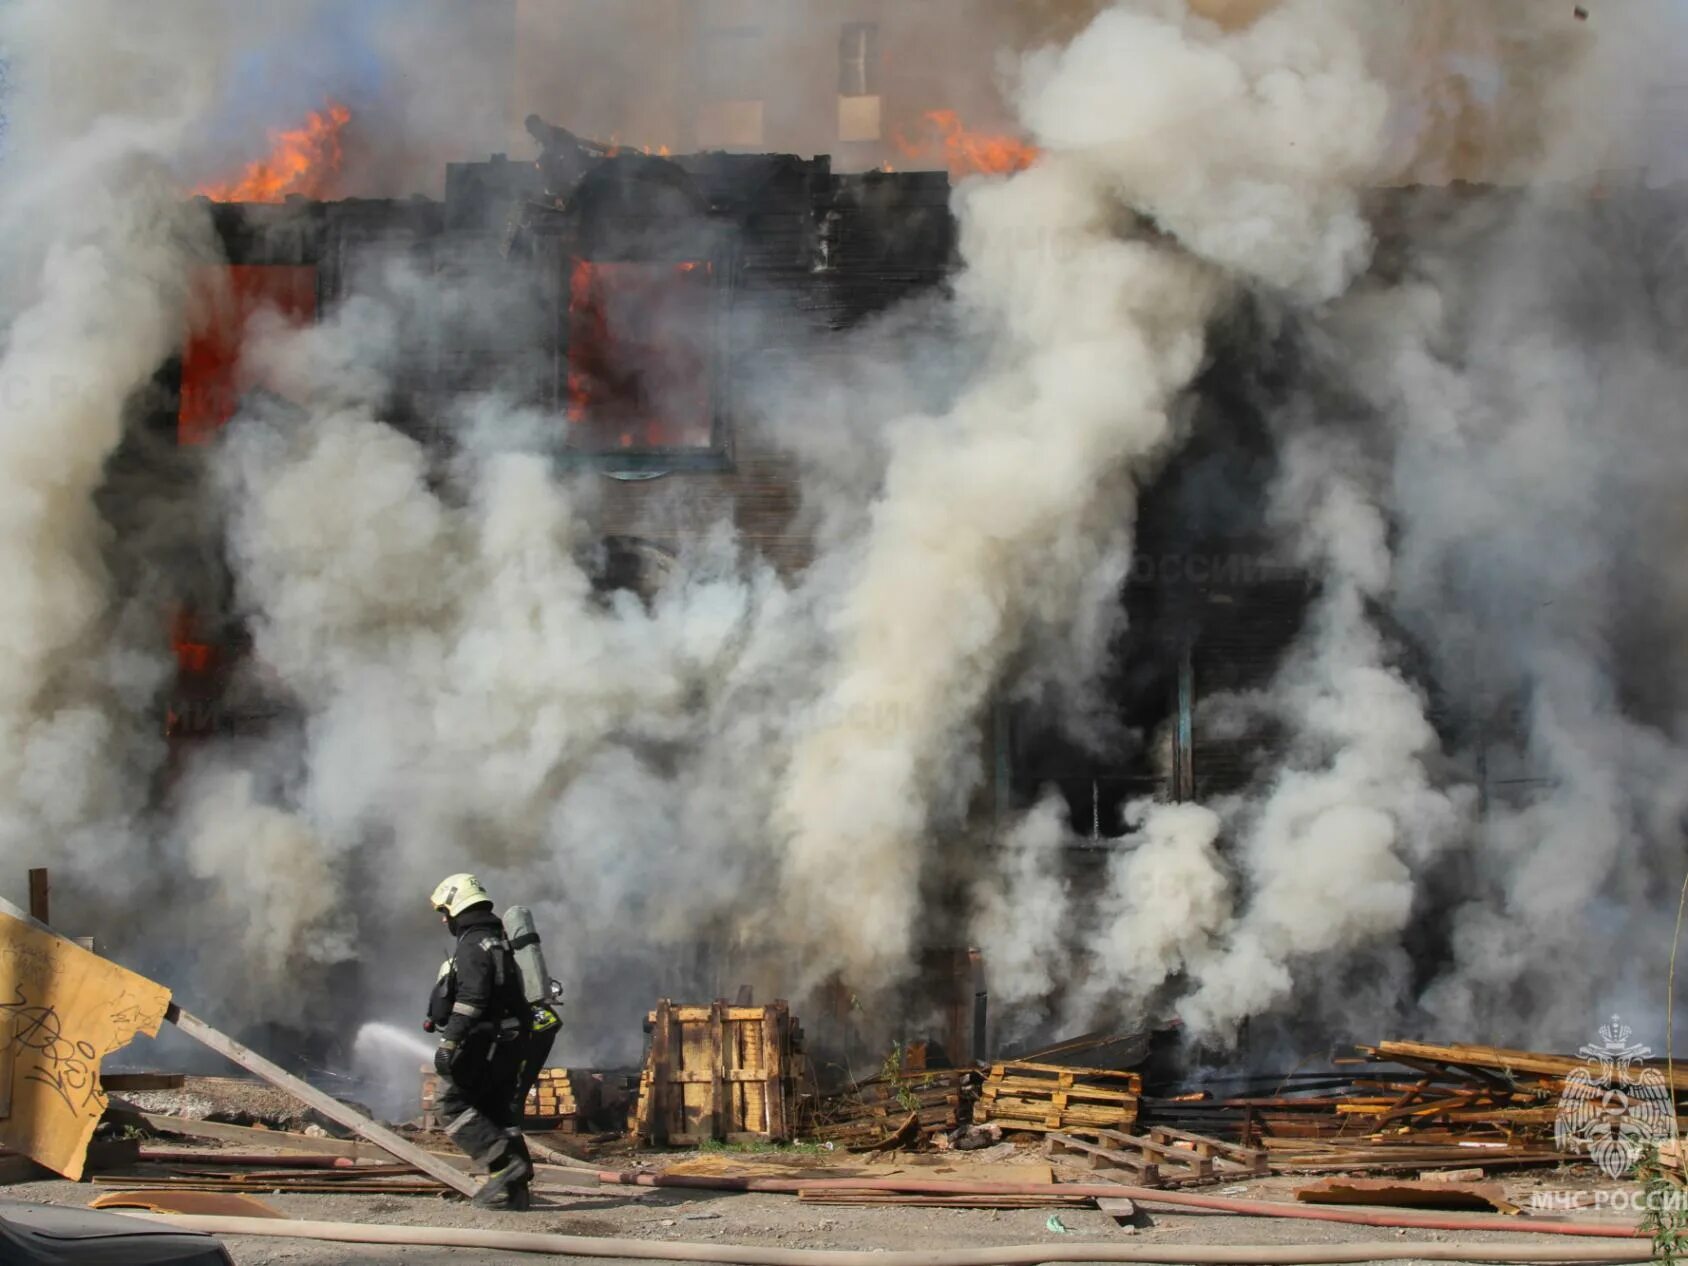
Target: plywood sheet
62, 1009
215, 1204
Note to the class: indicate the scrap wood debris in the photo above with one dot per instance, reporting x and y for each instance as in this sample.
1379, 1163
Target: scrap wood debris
871, 1113
1404, 1106
1407, 1193
738, 1073
209, 1204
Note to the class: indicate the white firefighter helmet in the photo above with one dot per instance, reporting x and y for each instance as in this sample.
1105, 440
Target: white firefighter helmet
457, 893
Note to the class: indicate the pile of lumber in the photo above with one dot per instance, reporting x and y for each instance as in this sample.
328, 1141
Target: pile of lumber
552, 1096
1395, 1106
168, 1169
1024, 1096
871, 1112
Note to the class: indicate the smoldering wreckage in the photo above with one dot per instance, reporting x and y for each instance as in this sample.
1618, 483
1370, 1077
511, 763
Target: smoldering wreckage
990, 670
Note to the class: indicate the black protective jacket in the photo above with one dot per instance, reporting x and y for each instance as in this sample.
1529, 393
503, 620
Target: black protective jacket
480, 988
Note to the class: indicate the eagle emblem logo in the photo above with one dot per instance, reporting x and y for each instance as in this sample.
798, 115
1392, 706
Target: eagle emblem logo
1613, 1107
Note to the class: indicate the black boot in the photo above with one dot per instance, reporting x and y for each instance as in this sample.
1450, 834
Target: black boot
519, 1199
520, 1195
509, 1169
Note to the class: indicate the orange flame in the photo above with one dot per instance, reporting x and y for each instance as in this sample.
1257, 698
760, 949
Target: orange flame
616, 149
303, 161
969, 153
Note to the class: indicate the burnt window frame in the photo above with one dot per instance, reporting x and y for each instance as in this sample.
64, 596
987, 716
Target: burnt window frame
716, 244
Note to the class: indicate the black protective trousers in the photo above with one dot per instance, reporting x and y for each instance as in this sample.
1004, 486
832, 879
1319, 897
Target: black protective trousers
477, 1104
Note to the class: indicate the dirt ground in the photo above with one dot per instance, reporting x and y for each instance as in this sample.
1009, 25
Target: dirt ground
781, 1221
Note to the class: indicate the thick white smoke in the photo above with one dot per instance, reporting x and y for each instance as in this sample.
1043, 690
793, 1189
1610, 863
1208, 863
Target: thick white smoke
1332, 852
1525, 374
1508, 444
95, 248
1246, 152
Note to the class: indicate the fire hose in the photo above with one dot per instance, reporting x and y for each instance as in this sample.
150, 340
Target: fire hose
1013, 1255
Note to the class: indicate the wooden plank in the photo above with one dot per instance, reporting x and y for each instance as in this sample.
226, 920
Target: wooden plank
328, 1106
1006, 1110
279, 1140
373, 1187
40, 899
1118, 1208
661, 1068
1498, 1058
1066, 1075
730, 1076
1026, 1087
1407, 1193
774, 1058
702, 1014
717, 1112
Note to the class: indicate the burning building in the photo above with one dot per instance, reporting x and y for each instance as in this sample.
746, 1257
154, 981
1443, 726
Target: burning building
733, 549
637, 304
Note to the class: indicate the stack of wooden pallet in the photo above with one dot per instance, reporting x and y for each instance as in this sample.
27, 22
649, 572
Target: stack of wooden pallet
870, 1112
719, 1072
1158, 1157
1051, 1097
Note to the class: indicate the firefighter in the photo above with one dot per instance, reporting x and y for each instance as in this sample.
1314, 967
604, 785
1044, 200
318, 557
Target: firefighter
478, 1009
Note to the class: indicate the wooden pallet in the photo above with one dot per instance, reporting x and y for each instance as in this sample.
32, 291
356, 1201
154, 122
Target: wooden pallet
719, 1072
1159, 1157
1054, 1097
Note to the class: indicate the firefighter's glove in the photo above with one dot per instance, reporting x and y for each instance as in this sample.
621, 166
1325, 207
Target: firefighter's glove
444, 1057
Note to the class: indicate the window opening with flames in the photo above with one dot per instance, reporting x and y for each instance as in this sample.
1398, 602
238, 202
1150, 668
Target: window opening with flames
641, 372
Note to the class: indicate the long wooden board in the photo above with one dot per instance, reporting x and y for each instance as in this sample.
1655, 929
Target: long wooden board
222, 1131
330, 1107
1498, 1059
